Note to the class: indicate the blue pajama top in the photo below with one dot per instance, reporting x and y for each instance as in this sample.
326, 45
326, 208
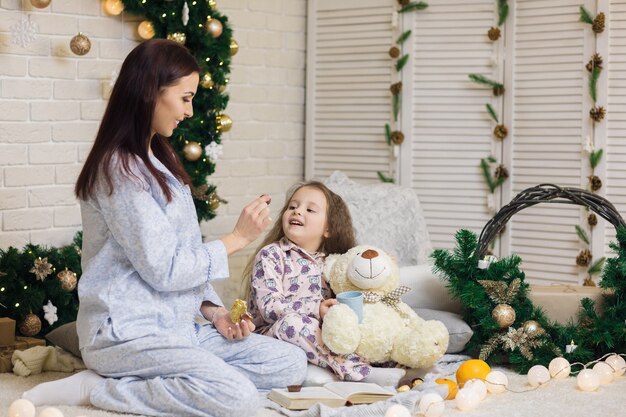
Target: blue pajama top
145, 267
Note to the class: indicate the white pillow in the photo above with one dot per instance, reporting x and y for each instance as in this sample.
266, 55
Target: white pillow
387, 216
427, 289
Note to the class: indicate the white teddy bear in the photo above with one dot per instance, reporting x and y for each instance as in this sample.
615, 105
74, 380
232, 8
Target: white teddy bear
390, 329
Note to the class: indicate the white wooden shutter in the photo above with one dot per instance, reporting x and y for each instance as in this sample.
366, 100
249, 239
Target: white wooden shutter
450, 130
547, 49
348, 79
615, 123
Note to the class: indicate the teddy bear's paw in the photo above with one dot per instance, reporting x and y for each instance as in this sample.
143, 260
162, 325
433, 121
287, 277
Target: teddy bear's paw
340, 330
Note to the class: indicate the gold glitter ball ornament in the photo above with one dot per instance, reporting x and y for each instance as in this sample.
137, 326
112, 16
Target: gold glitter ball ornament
213, 27
207, 80
224, 122
30, 326
504, 315
68, 280
146, 30
214, 201
177, 37
40, 4
80, 44
532, 328
234, 47
192, 151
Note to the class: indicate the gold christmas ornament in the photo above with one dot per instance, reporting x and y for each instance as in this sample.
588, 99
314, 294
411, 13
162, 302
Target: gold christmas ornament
177, 37
494, 33
206, 81
146, 30
397, 137
396, 88
584, 258
595, 62
500, 131
592, 219
595, 183
504, 315
41, 268
30, 326
597, 113
498, 90
68, 280
214, 201
213, 27
114, 7
80, 44
598, 23
234, 47
394, 52
192, 151
532, 328
40, 4
224, 122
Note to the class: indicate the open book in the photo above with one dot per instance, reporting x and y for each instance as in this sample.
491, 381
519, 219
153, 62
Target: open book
332, 394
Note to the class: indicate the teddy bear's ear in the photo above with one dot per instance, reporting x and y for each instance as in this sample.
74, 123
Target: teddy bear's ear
329, 262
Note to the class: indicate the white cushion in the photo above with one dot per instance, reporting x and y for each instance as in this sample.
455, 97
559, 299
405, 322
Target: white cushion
427, 289
387, 216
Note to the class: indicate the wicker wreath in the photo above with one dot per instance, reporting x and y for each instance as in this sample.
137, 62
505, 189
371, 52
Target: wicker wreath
547, 193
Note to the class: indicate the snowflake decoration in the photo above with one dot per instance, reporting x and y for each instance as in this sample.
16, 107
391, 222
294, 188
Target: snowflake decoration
42, 268
23, 32
214, 151
50, 313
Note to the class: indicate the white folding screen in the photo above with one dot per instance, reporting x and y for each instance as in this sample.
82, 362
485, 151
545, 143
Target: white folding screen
540, 60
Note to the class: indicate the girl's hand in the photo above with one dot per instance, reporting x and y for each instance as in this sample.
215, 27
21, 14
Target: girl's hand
228, 329
326, 305
252, 221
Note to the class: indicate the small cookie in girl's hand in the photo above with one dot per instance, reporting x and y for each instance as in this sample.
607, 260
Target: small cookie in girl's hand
239, 311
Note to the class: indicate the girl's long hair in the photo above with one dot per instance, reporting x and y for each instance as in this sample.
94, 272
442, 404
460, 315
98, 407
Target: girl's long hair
126, 125
338, 220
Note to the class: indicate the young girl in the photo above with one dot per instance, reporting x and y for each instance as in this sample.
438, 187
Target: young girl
288, 297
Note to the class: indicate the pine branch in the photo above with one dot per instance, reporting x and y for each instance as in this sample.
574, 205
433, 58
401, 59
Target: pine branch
402, 62
582, 234
481, 79
384, 178
596, 267
486, 170
585, 16
395, 103
388, 134
595, 157
492, 112
413, 6
403, 37
593, 83
503, 11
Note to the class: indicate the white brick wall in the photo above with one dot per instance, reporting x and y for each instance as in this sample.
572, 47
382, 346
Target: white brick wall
51, 102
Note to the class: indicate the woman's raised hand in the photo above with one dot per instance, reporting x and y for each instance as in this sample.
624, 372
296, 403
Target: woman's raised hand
253, 219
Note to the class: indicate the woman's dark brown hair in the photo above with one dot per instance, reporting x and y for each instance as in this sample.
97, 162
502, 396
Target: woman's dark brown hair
126, 125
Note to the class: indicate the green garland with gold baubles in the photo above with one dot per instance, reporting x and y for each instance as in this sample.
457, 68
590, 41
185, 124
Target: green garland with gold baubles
207, 34
508, 328
38, 286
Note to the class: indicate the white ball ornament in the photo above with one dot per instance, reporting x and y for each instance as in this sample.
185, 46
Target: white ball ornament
604, 371
50, 412
559, 368
431, 405
21, 408
478, 386
466, 399
538, 375
588, 380
397, 410
496, 382
617, 363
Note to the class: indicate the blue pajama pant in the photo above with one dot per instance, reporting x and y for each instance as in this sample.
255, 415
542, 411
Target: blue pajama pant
174, 375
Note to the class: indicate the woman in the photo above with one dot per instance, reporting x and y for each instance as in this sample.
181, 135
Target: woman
145, 296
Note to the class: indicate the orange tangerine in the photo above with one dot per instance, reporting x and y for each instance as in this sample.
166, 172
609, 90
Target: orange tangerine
452, 387
472, 369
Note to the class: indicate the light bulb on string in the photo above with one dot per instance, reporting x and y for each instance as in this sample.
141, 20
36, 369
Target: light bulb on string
588, 380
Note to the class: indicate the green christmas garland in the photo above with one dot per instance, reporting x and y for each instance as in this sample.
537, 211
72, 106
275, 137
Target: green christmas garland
531, 338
